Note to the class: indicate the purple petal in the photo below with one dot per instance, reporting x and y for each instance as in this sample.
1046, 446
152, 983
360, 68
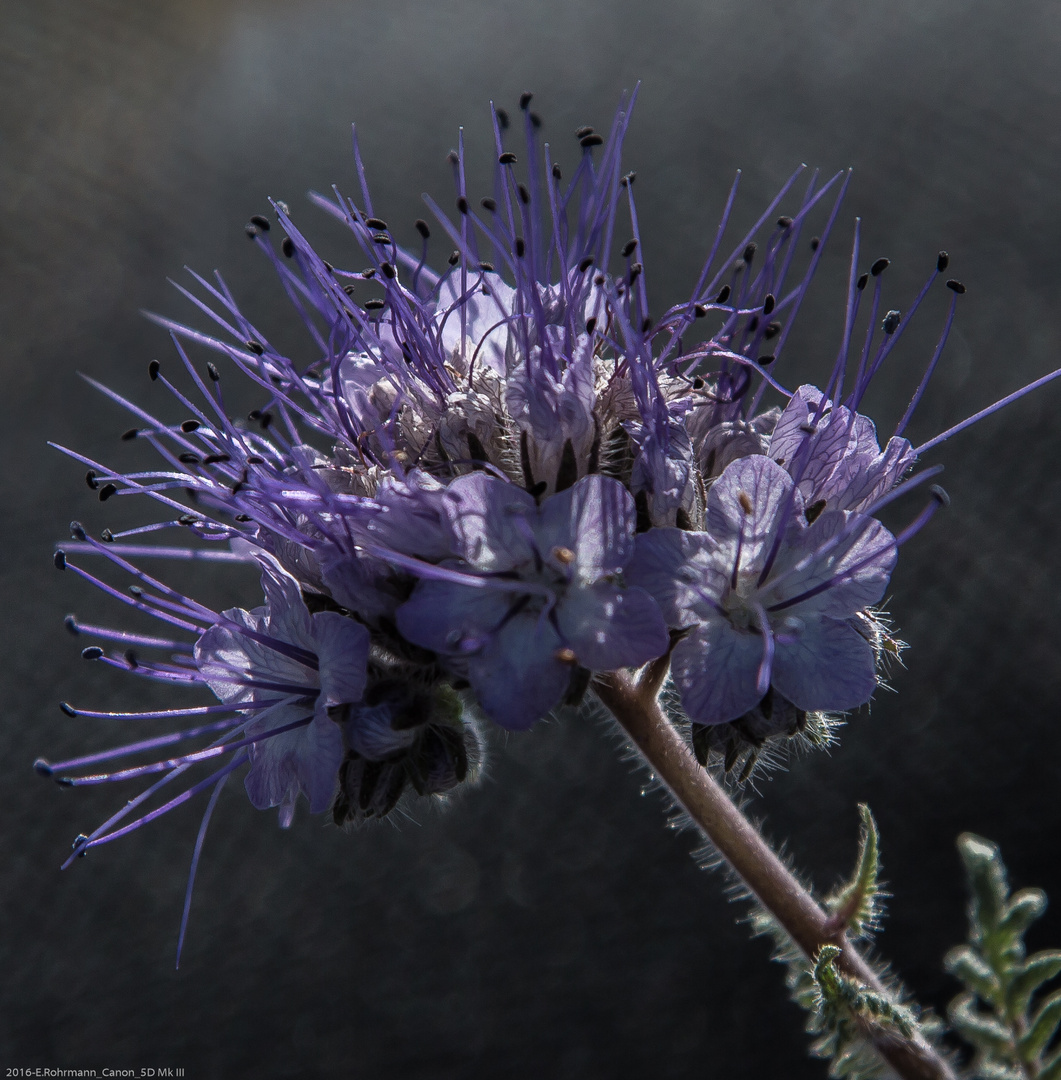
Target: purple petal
609, 628
715, 669
517, 677
361, 583
828, 666
449, 618
306, 759
483, 513
553, 411
412, 517
789, 434
342, 652
595, 520
672, 566
482, 311
840, 460
225, 656
874, 475
856, 568
663, 470
724, 443
812, 453
751, 501
289, 618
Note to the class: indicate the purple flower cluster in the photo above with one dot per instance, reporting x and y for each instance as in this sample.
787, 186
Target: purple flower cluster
471, 491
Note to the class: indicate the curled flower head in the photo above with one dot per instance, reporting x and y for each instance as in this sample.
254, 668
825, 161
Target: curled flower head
489, 476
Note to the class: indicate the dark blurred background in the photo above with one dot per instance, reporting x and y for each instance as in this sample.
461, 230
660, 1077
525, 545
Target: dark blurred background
548, 925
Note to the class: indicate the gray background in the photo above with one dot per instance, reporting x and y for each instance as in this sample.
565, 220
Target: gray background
548, 925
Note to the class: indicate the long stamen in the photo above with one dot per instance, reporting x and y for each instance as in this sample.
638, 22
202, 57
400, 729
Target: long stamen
170, 764
939, 498
160, 714
200, 837
976, 417
173, 803
47, 768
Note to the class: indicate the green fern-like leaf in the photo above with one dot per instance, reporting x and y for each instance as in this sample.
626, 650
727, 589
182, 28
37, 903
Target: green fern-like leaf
1003, 1013
857, 906
842, 1015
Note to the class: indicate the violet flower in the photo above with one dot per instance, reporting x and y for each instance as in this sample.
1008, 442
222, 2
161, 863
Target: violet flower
768, 600
488, 477
317, 662
539, 598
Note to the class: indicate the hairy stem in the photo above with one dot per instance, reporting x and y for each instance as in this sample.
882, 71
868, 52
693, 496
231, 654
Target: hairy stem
754, 861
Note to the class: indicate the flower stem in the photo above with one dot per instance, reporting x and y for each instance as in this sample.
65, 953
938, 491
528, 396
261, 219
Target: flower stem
775, 887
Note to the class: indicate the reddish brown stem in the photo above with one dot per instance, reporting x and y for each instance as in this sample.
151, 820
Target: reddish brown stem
754, 861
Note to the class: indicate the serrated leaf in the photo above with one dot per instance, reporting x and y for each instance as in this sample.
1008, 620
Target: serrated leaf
886, 1012
1043, 1026
992, 1070
1024, 907
856, 903
981, 1029
1051, 1069
1031, 974
965, 963
987, 878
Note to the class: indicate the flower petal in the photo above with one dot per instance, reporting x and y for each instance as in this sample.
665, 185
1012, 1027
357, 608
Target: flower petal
716, 669
595, 520
227, 659
748, 504
483, 515
517, 677
289, 618
827, 666
611, 628
676, 568
483, 308
342, 652
306, 759
842, 573
450, 618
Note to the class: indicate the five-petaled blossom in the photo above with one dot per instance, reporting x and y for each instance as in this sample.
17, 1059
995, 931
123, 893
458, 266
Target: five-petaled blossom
768, 599
539, 598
